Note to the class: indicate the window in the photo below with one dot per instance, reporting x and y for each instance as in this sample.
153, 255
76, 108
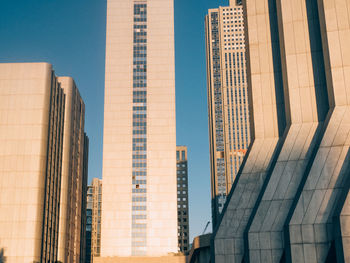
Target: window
183, 155
177, 155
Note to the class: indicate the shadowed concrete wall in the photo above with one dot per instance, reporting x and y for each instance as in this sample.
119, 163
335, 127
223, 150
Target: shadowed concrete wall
267, 116
306, 107
320, 207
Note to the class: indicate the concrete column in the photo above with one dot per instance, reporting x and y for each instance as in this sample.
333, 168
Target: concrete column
268, 122
306, 108
322, 212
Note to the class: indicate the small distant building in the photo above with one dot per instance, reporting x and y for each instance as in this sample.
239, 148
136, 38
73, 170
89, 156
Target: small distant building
93, 226
182, 198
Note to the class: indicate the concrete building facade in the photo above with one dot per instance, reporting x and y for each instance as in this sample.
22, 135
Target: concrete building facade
72, 183
229, 125
183, 225
32, 116
139, 197
297, 210
94, 204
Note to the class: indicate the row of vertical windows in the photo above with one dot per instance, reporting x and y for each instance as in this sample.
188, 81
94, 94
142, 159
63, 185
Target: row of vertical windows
139, 142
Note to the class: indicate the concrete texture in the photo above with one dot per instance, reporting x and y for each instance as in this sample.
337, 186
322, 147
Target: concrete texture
306, 108
320, 220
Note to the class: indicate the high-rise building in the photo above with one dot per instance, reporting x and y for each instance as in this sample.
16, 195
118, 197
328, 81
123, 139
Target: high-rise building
290, 201
72, 184
182, 198
42, 128
94, 202
139, 200
84, 201
32, 107
229, 128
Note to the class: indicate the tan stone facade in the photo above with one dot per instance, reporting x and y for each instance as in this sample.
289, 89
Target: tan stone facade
229, 126
43, 150
31, 139
72, 174
139, 202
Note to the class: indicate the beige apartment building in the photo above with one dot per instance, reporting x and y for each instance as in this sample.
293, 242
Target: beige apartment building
94, 203
42, 138
32, 107
72, 183
139, 197
182, 199
229, 127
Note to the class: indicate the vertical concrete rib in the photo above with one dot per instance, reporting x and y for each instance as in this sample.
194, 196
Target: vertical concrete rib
322, 211
306, 108
268, 123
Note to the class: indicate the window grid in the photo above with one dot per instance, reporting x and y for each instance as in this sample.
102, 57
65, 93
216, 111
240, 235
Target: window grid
139, 141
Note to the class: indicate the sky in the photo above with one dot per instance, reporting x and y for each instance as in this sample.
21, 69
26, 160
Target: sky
70, 34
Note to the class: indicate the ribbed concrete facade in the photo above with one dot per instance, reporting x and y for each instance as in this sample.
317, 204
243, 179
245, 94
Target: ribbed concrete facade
139, 197
32, 107
298, 211
229, 126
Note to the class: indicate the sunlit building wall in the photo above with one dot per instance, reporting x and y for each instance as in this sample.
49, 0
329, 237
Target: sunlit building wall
32, 115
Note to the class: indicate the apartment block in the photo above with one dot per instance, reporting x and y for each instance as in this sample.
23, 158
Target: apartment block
229, 125
72, 183
32, 112
182, 198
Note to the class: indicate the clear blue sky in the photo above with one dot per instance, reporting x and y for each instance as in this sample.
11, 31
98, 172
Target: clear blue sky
70, 34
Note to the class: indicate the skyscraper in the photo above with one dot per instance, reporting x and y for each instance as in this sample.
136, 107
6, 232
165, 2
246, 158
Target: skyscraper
72, 183
229, 127
139, 203
32, 107
182, 198
94, 200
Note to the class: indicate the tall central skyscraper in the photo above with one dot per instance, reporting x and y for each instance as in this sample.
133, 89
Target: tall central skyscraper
139, 202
